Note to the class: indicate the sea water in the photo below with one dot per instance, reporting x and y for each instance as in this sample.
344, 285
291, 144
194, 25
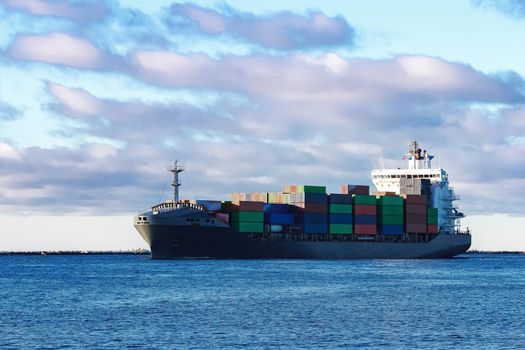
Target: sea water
130, 301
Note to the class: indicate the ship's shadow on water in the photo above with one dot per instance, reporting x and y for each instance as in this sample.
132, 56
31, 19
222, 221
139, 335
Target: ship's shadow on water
121, 301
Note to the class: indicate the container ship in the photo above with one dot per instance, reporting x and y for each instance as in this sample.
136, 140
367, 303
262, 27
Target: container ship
411, 215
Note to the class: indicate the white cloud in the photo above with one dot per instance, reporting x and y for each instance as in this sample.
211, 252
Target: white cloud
284, 30
75, 99
59, 8
58, 48
9, 152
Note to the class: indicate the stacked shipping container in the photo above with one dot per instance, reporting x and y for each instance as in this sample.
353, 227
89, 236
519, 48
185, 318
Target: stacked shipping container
247, 217
365, 215
432, 220
416, 213
340, 214
415, 186
310, 207
390, 215
277, 216
279, 197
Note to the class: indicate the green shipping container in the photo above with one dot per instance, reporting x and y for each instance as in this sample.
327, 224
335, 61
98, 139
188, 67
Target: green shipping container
432, 220
341, 229
341, 208
247, 216
286, 198
362, 199
390, 219
432, 212
248, 227
389, 210
311, 189
390, 200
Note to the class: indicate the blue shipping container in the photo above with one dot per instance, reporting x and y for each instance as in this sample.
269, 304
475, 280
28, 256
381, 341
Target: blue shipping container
275, 208
279, 219
316, 228
311, 218
390, 229
337, 198
336, 218
365, 219
295, 209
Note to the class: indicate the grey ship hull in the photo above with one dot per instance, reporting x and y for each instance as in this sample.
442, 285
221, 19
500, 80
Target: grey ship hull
168, 241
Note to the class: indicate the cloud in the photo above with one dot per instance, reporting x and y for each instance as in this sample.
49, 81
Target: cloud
9, 152
329, 78
60, 8
137, 121
61, 49
325, 137
515, 8
408, 74
8, 112
283, 31
222, 157
324, 119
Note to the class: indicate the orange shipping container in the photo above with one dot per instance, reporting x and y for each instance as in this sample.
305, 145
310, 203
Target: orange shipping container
290, 188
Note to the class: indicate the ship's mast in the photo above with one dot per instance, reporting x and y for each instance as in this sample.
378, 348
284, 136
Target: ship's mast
176, 169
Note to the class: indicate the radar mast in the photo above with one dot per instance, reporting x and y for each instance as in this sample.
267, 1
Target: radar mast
176, 169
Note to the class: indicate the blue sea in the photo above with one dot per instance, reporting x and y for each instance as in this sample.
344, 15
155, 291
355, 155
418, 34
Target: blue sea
130, 301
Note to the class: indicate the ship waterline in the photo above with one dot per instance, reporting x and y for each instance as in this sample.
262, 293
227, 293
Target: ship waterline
172, 242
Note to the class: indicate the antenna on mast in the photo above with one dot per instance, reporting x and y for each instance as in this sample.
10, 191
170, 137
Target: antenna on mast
381, 163
176, 169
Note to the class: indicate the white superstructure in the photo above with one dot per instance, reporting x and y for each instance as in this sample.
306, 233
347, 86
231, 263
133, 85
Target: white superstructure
419, 166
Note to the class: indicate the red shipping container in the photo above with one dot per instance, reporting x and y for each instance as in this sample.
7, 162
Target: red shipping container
365, 209
416, 199
355, 189
250, 206
381, 194
416, 218
416, 209
433, 229
313, 207
365, 229
416, 228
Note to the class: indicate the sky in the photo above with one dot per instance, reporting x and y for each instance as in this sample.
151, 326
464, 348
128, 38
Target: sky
98, 97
